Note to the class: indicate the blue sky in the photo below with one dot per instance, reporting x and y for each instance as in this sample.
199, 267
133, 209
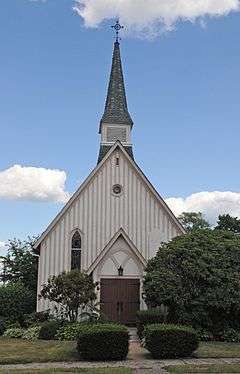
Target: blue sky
183, 94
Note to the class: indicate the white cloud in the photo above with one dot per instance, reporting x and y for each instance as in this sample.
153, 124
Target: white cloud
149, 17
211, 204
34, 184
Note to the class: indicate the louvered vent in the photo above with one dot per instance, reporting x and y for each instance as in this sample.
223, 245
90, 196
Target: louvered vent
116, 133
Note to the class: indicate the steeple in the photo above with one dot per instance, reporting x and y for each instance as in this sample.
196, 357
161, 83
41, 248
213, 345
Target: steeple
116, 123
116, 110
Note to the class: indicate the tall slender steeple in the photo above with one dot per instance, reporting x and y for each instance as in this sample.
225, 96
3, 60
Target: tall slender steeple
116, 110
116, 123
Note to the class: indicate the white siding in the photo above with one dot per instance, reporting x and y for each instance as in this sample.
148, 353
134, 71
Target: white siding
98, 214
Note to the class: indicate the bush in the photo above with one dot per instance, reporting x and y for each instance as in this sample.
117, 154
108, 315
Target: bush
70, 332
147, 317
14, 332
103, 342
231, 336
36, 318
32, 333
204, 335
2, 326
49, 330
170, 341
201, 258
15, 301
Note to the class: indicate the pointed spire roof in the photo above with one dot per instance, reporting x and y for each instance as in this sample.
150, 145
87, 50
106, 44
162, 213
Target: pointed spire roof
116, 110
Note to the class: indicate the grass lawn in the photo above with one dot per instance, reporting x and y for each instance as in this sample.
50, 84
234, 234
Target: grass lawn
228, 368
218, 350
18, 351
82, 371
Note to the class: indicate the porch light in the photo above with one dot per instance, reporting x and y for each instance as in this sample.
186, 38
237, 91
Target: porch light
120, 271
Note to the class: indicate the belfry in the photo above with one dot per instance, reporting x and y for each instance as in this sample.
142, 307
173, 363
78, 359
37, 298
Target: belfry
116, 220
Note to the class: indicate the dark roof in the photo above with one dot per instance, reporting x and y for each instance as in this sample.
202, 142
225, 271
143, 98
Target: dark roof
104, 149
116, 110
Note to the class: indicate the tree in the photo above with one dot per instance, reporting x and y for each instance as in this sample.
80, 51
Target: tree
193, 221
71, 291
197, 277
16, 301
20, 264
228, 223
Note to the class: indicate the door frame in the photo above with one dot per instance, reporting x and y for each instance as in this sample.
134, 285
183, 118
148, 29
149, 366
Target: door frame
124, 278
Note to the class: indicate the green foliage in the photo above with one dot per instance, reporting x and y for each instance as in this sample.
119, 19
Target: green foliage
70, 291
197, 277
36, 318
20, 264
170, 341
49, 330
2, 325
70, 332
193, 221
147, 317
32, 333
204, 335
228, 223
14, 332
103, 342
15, 301
231, 336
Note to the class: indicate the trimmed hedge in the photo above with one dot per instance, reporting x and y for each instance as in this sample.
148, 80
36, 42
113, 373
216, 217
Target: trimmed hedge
147, 317
103, 342
2, 326
49, 330
170, 341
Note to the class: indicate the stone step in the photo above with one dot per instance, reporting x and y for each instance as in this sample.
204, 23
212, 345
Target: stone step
133, 334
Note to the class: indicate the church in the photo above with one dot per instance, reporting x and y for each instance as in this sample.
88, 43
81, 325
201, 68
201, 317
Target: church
115, 222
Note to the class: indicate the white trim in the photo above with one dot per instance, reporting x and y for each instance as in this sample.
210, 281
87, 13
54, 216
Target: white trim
103, 253
91, 176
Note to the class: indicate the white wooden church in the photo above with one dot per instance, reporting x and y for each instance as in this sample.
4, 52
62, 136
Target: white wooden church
115, 222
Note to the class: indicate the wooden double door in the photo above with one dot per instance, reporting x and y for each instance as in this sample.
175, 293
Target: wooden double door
120, 299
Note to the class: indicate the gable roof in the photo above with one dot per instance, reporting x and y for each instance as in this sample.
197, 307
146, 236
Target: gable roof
120, 233
91, 176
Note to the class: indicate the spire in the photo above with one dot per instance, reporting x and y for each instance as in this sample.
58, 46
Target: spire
116, 110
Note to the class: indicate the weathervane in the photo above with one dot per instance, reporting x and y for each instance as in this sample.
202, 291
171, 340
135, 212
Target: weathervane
117, 28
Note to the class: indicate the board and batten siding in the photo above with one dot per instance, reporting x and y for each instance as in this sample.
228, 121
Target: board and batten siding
98, 214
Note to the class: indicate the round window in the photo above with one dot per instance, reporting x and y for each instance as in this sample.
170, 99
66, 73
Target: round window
117, 189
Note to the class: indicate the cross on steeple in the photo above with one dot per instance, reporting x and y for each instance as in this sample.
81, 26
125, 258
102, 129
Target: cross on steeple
117, 27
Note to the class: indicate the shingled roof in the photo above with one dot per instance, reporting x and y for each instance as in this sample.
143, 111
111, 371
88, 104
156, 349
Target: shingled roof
116, 110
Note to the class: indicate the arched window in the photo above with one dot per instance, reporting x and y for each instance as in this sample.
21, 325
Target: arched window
76, 246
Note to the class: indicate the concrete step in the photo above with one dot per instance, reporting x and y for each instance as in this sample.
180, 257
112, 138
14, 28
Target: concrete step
133, 334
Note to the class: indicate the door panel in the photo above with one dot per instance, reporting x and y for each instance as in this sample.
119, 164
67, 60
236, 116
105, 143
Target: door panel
120, 299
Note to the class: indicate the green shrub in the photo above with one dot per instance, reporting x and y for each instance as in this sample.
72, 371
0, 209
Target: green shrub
70, 332
2, 325
170, 341
12, 325
231, 336
36, 318
49, 330
14, 332
147, 317
32, 333
15, 301
103, 342
204, 335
